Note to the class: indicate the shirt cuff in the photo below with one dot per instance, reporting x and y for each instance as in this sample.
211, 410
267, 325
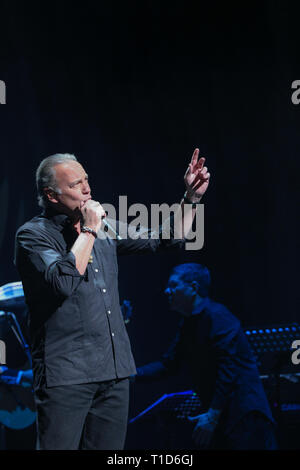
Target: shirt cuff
68, 265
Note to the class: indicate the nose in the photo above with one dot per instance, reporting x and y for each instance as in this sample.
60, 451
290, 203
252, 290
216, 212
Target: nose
86, 188
167, 291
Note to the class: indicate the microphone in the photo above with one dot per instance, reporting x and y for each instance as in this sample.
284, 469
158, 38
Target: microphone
108, 227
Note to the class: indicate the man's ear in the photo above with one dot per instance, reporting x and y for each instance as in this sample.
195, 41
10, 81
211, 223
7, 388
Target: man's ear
195, 286
51, 195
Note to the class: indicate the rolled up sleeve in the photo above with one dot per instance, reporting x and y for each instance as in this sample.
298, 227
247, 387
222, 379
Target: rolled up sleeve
37, 258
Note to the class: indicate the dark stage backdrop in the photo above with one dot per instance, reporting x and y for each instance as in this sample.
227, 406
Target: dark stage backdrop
131, 88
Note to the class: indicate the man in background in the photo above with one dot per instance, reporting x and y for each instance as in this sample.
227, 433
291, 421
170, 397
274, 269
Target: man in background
211, 345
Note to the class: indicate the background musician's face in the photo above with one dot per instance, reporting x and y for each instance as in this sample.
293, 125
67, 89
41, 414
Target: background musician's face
72, 187
181, 295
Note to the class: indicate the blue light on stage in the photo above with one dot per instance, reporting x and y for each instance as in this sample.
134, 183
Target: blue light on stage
161, 399
272, 339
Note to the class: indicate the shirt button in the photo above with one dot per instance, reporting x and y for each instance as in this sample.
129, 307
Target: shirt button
108, 311
96, 270
113, 334
104, 290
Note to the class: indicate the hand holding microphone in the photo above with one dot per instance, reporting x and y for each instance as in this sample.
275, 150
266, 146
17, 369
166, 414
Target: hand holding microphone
92, 214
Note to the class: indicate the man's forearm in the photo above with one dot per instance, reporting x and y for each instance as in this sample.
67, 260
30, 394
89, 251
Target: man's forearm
82, 249
183, 219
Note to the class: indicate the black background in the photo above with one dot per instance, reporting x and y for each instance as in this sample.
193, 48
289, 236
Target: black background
131, 88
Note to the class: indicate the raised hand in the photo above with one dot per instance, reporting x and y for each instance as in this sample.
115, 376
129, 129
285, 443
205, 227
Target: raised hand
196, 178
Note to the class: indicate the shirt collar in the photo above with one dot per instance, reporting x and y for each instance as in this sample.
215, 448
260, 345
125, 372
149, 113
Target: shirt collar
59, 219
200, 307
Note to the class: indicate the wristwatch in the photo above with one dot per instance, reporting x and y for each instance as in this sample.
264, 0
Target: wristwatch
89, 230
187, 201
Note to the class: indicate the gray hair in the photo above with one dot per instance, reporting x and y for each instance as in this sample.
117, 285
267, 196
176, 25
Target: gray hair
45, 175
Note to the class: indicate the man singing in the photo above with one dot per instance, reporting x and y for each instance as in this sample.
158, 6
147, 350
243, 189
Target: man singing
80, 349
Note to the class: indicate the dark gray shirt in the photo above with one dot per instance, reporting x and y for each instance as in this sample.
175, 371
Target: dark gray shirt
76, 325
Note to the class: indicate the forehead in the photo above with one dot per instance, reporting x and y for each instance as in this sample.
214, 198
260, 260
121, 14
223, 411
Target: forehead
174, 279
68, 171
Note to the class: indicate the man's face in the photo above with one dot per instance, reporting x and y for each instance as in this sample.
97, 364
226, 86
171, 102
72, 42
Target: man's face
181, 295
72, 181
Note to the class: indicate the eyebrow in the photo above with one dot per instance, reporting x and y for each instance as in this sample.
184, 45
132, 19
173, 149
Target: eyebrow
78, 180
